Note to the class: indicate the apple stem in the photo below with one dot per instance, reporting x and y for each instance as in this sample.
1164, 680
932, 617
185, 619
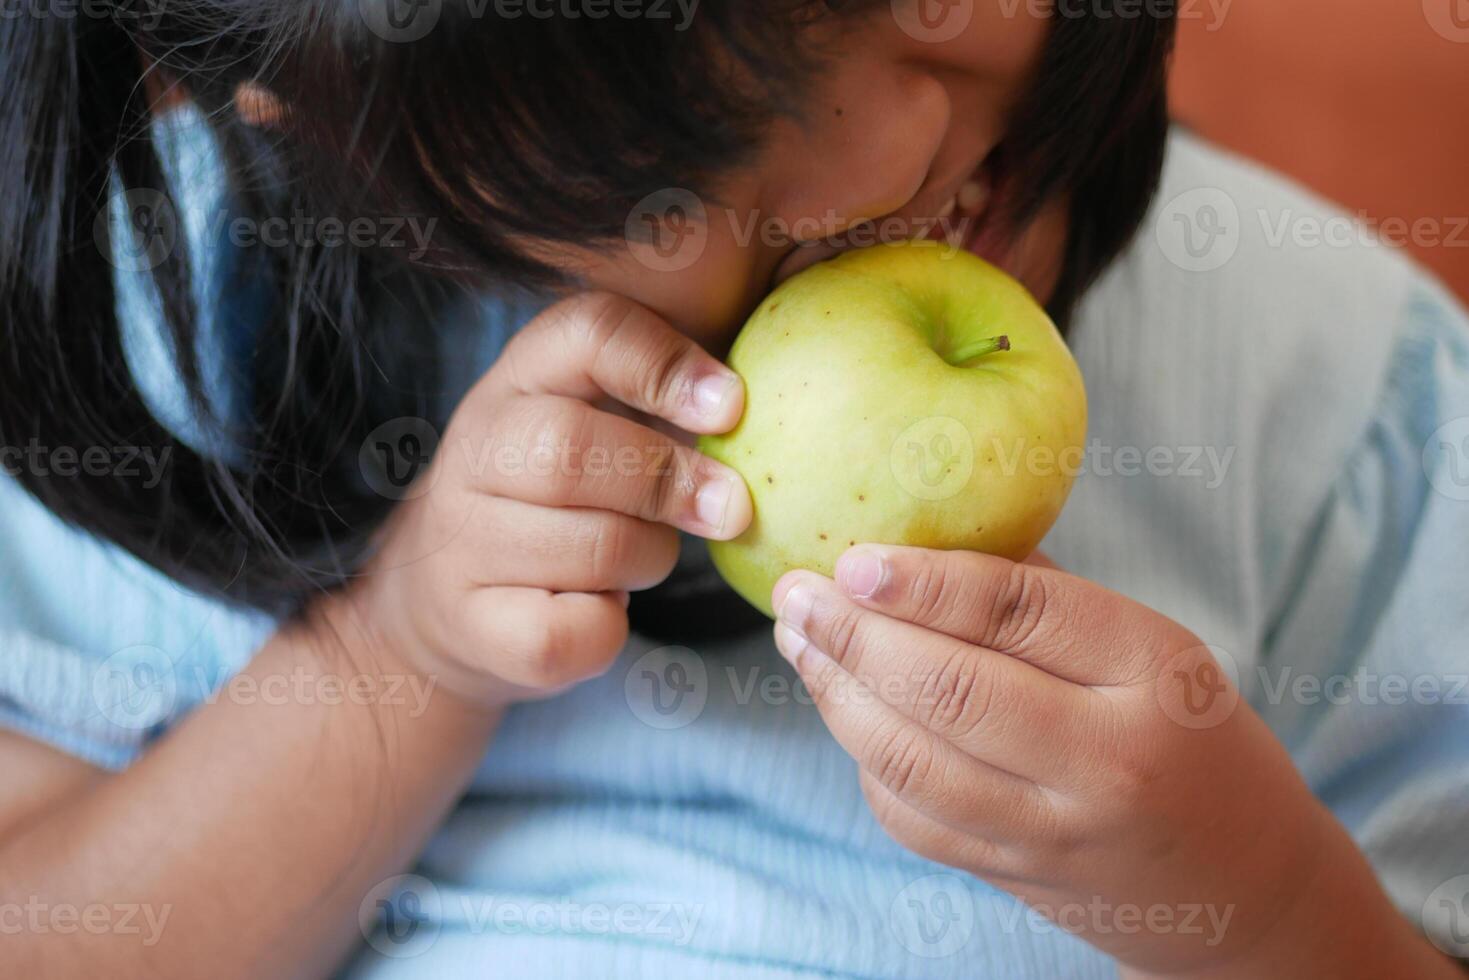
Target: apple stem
990, 345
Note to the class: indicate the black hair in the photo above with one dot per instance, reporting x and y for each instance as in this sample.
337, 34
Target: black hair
503, 130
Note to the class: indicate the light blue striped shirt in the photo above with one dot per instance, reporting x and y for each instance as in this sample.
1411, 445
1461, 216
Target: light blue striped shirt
1279, 459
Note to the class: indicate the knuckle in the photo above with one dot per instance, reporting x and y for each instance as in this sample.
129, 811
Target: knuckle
670, 486
617, 336
603, 545
959, 698
659, 374
595, 317
902, 762
843, 633
1020, 608
558, 432
538, 658
1134, 773
605, 641
931, 590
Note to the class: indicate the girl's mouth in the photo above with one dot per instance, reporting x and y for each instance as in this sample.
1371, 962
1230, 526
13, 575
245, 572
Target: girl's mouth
971, 219
968, 219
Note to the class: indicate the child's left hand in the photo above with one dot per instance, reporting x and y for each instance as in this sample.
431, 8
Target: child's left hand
1070, 746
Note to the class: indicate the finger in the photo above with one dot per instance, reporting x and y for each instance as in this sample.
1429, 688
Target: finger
567, 549
1042, 616
920, 833
545, 641
599, 344
992, 707
561, 452
921, 769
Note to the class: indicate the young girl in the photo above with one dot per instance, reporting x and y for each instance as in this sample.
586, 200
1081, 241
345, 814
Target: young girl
295, 297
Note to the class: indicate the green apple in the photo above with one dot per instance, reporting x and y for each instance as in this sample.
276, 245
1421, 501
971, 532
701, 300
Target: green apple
902, 394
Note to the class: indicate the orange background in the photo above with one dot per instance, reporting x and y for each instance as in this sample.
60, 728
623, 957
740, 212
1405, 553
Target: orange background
1363, 100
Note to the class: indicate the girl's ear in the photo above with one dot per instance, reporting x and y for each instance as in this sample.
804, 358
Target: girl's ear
256, 106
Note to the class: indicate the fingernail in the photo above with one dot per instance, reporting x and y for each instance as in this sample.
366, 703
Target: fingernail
795, 608
711, 505
712, 394
861, 573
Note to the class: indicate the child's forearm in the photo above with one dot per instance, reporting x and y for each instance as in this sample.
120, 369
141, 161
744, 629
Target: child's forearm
1341, 925
256, 828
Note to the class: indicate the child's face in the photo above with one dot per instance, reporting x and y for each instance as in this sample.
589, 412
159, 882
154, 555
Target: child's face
893, 131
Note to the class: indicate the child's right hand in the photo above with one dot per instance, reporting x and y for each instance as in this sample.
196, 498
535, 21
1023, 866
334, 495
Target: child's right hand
508, 578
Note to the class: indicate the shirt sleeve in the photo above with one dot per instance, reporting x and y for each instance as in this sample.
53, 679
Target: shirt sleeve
1365, 665
100, 653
